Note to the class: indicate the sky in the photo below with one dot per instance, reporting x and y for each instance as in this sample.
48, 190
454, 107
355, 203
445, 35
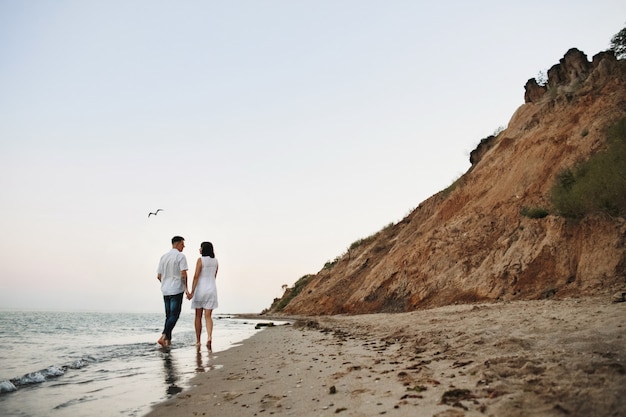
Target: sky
280, 130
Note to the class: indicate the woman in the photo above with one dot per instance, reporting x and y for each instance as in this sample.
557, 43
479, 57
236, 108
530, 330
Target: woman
203, 293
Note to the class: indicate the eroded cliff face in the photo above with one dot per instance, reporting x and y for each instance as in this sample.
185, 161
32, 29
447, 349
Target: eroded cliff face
470, 243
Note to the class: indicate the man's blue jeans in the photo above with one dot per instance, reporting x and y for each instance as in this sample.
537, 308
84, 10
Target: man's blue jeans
173, 305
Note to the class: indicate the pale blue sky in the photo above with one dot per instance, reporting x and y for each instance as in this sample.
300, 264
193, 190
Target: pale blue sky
282, 131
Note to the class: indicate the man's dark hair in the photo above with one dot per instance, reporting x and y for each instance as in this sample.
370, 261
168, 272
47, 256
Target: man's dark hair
177, 239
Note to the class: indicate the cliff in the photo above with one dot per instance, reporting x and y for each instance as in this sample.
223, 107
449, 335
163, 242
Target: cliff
471, 242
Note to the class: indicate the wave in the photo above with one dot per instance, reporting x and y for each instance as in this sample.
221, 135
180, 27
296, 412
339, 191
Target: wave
105, 353
42, 375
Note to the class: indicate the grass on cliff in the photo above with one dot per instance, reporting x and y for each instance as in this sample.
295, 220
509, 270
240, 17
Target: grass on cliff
534, 212
290, 293
599, 184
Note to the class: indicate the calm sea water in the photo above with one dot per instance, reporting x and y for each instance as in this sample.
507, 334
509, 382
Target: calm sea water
101, 364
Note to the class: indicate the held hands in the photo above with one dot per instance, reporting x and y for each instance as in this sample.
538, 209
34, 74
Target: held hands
189, 295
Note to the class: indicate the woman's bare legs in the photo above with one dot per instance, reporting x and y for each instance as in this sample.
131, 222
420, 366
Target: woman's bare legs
209, 326
198, 325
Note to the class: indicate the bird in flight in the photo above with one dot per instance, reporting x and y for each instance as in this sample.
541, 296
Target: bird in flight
155, 213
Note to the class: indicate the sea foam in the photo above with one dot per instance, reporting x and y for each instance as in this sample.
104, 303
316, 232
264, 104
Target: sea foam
7, 386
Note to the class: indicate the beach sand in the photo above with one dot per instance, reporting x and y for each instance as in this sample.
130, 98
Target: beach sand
523, 358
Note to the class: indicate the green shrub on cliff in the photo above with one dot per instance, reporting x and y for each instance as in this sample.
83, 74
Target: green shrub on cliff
290, 293
597, 185
618, 44
534, 212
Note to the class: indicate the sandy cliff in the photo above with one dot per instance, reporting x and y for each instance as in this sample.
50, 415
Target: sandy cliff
470, 242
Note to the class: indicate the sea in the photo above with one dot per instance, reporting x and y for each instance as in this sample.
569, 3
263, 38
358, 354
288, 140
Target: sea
83, 364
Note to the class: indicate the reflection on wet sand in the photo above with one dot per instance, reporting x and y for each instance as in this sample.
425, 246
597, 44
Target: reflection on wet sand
174, 380
201, 365
171, 373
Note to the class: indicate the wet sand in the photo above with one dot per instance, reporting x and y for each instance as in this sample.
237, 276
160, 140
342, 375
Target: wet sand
528, 358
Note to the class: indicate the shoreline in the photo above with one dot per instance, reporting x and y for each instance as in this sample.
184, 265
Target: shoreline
523, 358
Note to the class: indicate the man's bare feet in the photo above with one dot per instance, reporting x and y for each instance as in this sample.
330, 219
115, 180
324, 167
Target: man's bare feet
162, 341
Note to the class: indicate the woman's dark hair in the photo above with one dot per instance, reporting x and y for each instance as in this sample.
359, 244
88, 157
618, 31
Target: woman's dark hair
207, 249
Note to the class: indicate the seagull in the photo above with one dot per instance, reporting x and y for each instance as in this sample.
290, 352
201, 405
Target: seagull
155, 213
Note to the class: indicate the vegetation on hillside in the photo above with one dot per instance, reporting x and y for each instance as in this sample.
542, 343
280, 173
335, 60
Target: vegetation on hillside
597, 185
280, 303
618, 44
534, 212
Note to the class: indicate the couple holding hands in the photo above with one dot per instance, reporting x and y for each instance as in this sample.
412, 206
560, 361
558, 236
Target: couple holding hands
172, 273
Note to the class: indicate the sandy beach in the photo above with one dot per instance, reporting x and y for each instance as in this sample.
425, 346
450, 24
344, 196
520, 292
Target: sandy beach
523, 358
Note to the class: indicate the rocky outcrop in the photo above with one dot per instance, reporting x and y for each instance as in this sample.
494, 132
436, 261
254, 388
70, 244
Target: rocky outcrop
533, 91
572, 70
485, 144
573, 67
469, 242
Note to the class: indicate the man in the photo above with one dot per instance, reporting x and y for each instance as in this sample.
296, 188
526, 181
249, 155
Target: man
172, 273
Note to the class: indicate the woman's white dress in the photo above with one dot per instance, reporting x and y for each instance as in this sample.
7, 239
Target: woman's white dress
205, 295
